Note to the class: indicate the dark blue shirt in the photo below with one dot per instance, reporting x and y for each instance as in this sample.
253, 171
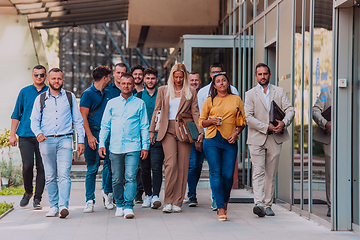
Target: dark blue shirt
23, 108
149, 103
115, 91
90, 99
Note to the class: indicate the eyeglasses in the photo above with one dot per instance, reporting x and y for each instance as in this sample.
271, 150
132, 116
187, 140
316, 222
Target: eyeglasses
215, 71
219, 73
39, 74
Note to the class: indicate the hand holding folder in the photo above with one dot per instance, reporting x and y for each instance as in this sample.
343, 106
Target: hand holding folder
275, 113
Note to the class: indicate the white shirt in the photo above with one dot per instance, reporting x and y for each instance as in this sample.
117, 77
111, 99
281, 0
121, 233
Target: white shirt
204, 94
266, 96
173, 107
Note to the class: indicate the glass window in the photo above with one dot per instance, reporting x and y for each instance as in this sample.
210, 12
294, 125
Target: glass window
249, 11
202, 58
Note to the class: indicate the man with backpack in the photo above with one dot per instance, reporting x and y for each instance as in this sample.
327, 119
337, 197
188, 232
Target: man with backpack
52, 118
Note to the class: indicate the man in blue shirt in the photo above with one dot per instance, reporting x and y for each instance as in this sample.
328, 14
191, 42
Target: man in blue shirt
29, 146
125, 118
154, 162
114, 87
51, 122
92, 105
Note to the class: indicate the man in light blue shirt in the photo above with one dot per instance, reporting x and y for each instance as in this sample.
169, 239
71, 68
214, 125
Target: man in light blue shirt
125, 118
52, 117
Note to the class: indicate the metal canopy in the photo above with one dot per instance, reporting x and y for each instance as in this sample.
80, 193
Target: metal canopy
60, 13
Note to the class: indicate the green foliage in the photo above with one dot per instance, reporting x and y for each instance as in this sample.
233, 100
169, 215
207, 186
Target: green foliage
7, 167
12, 191
5, 139
12, 172
4, 206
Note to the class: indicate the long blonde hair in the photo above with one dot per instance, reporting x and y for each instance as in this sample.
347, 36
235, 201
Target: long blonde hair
186, 86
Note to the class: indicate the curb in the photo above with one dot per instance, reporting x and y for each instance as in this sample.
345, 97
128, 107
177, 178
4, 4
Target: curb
6, 213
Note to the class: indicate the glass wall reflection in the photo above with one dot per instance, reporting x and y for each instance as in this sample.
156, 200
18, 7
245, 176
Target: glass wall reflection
322, 95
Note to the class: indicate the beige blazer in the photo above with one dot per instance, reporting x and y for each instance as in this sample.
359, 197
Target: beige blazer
257, 115
185, 106
323, 103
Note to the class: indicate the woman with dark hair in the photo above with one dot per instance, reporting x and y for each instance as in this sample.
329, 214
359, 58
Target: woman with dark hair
224, 117
173, 100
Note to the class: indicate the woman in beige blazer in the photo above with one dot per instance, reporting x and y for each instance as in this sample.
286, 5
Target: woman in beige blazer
172, 100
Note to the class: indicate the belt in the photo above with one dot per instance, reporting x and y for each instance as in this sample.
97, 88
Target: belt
270, 132
62, 135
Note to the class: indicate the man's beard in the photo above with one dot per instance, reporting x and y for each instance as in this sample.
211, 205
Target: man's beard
150, 87
54, 88
139, 83
264, 84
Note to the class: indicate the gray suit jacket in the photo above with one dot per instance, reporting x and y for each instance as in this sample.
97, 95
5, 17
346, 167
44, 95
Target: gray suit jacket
257, 115
323, 103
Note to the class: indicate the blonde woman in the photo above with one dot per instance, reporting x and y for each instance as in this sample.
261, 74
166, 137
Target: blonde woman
173, 100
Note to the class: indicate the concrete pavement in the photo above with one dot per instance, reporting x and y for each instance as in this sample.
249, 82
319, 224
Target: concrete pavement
193, 223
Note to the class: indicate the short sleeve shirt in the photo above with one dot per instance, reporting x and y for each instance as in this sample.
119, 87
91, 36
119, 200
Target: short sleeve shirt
23, 108
91, 98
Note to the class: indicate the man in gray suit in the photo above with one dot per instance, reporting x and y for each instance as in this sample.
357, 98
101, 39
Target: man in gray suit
323, 135
265, 139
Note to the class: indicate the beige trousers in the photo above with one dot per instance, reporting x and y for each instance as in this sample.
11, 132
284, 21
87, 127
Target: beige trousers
265, 161
327, 151
177, 157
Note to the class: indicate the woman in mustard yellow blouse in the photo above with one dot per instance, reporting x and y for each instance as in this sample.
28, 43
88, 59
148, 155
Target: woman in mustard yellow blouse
223, 116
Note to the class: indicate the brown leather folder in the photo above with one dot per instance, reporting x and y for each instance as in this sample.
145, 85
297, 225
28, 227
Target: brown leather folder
275, 113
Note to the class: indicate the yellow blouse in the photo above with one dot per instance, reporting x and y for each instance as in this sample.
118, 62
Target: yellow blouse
230, 108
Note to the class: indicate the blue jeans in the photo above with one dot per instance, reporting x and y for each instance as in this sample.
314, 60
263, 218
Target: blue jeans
221, 156
124, 166
57, 157
92, 159
195, 167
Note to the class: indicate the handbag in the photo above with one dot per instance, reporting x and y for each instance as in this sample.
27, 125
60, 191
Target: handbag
157, 120
239, 120
187, 128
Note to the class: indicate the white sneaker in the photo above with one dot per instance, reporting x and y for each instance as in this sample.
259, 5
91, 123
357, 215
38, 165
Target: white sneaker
89, 207
105, 198
167, 208
64, 212
110, 205
176, 209
53, 212
147, 202
119, 212
186, 199
155, 202
128, 213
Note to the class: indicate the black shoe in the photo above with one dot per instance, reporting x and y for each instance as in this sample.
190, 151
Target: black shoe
193, 202
138, 200
259, 210
269, 212
37, 205
328, 214
25, 200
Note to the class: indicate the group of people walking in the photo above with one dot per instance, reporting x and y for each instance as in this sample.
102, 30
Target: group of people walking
135, 127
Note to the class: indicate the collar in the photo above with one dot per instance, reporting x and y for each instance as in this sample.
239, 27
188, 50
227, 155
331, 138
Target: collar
62, 92
94, 88
262, 88
40, 89
129, 99
156, 89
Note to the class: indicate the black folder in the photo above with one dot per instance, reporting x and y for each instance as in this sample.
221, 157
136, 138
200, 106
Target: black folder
275, 113
327, 114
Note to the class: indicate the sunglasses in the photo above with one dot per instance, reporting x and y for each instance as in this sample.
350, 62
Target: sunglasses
39, 74
215, 71
219, 73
